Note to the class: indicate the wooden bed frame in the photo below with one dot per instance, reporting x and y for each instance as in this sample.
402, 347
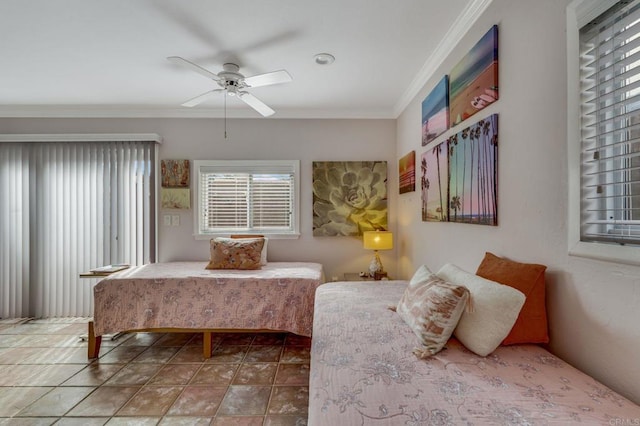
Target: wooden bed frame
93, 349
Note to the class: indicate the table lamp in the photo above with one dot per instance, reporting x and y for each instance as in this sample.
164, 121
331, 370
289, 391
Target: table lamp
377, 240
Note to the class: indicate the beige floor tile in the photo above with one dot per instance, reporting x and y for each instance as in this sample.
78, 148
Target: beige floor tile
104, 401
185, 421
134, 374
264, 353
175, 374
215, 374
238, 421
14, 399
151, 401
57, 402
120, 354
292, 374
245, 400
82, 421
202, 401
299, 420
94, 374
156, 354
256, 374
29, 421
186, 354
289, 400
133, 421
228, 354
296, 354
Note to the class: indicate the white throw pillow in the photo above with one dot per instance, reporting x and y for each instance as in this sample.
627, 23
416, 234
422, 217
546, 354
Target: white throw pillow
494, 310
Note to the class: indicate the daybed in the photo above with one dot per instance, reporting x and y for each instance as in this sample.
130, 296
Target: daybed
363, 371
184, 296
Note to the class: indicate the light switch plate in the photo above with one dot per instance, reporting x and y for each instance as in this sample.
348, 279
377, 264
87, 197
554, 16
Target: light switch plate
167, 220
175, 220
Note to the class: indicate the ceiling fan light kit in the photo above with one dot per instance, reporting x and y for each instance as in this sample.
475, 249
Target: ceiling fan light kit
233, 83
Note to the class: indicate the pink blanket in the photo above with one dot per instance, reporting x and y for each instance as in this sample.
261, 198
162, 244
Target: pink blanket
185, 295
363, 373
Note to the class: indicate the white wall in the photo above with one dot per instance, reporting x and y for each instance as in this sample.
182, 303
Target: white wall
593, 306
255, 139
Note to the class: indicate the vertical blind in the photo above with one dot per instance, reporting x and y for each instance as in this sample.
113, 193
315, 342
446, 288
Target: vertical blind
610, 97
68, 207
246, 197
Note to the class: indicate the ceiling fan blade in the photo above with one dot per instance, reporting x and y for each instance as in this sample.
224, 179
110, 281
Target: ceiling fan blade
256, 104
197, 68
201, 98
275, 77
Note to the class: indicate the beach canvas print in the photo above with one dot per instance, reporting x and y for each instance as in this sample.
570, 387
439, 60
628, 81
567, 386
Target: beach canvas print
433, 183
407, 172
473, 173
474, 80
435, 112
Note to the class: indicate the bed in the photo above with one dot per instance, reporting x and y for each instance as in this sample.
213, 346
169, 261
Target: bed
363, 372
186, 297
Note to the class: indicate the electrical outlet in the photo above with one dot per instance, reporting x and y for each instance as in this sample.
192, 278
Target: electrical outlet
167, 220
175, 220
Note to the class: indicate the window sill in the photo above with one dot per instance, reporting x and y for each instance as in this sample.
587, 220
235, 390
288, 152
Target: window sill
628, 255
293, 236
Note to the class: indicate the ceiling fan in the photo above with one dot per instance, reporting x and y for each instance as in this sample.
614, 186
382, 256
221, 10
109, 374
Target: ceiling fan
233, 83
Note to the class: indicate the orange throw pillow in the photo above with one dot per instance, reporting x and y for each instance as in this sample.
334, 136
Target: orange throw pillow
531, 325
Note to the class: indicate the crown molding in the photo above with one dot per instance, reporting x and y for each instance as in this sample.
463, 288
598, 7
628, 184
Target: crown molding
81, 137
124, 111
460, 27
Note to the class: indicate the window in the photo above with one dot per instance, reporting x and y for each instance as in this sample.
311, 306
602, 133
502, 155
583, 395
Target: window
252, 197
602, 140
610, 110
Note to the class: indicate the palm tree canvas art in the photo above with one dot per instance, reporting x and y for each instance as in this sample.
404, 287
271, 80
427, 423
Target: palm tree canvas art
433, 183
473, 173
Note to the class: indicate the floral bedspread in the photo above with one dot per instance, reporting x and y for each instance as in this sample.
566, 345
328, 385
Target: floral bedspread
363, 373
279, 296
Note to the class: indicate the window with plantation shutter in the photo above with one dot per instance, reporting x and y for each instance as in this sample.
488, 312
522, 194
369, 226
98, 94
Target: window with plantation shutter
252, 197
610, 111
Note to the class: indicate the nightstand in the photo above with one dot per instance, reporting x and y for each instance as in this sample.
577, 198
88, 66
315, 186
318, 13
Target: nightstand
355, 276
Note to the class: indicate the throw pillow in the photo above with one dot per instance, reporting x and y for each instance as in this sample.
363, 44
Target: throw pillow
227, 253
531, 325
494, 310
263, 254
432, 308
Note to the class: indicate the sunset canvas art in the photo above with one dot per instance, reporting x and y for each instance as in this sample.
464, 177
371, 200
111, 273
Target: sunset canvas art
474, 80
435, 112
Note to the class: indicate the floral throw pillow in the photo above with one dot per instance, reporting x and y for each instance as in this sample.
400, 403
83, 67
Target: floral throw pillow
432, 308
229, 253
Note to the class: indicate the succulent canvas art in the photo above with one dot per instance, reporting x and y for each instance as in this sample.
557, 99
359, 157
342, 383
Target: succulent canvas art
349, 197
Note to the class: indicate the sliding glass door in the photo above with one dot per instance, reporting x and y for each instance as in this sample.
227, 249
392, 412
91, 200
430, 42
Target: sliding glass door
68, 207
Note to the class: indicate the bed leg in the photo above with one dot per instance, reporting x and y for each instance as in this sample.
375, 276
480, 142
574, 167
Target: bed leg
94, 343
207, 339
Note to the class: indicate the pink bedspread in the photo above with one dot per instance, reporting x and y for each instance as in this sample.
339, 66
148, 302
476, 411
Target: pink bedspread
186, 295
363, 373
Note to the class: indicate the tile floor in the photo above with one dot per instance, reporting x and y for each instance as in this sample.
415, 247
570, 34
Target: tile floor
149, 378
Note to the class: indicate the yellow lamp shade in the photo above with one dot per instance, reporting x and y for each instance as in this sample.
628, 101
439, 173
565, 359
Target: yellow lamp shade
377, 240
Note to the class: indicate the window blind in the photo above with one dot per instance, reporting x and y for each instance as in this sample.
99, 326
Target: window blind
244, 196
71, 207
610, 103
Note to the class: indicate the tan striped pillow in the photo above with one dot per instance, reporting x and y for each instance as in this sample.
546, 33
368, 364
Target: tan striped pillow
432, 308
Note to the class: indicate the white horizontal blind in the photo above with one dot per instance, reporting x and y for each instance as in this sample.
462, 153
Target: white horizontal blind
244, 196
610, 89
88, 204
